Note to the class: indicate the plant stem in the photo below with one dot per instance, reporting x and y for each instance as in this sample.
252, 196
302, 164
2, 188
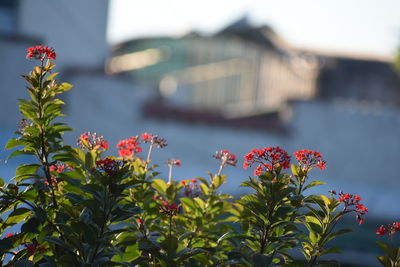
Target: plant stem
170, 174
170, 225
43, 157
149, 153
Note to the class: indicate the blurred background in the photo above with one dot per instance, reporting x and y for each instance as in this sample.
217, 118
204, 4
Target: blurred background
235, 75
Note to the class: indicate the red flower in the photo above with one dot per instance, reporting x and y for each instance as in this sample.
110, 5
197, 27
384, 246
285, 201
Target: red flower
246, 165
40, 52
258, 171
153, 139
108, 165
351, 201
60, 167
268, 159
191, 188
225, 157
32, 248
381, 230
361, 208
146, 137
129, 147
172, 162
308, 159
9, 235
91, 141
169, 209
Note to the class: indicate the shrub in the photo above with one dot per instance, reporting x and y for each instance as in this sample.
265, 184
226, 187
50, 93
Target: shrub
75, 207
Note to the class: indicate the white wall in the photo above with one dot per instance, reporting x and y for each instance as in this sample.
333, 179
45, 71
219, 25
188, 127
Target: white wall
75, 28
361, 143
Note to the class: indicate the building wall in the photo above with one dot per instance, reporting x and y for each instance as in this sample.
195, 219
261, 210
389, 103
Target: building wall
12, 86
75, 28
361, 145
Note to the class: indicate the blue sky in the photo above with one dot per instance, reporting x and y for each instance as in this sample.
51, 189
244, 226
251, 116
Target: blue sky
351, 26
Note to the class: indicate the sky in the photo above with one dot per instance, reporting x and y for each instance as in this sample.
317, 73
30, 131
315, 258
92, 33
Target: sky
350, 26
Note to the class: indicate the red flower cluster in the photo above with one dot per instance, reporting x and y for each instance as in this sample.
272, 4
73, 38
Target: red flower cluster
108, 165
60, 167
391, 229
308, 159
225, 157
40, 52
172, 162
129, 147
91, 141
268, 159
190, 188
350, 200
32, 248
146, 137
153, 139
169, 209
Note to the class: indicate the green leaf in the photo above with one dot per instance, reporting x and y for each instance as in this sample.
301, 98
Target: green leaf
225, 236
90, 160
18, 215
331, 250
219, 180
13, 142
313, 237
188, 204
64, 87
202, 180
160, 186
1, 182
384, 246
23, 263
19, 152
185, 235
295, 169
312, 184
314, 224
326, 201
170, 245
52, 76
5, 244
27, 169
31, 226
57, 241
384, 260
200, 203
204, 189
260, 260
336, 234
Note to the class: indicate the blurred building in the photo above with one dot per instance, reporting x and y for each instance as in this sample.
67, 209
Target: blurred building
77, 29
239, 72
248, 76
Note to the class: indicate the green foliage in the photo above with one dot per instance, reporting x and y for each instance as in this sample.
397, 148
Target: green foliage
74, 207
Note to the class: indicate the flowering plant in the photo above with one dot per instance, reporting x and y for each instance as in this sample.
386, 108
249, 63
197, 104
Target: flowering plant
74, 207
392, 252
